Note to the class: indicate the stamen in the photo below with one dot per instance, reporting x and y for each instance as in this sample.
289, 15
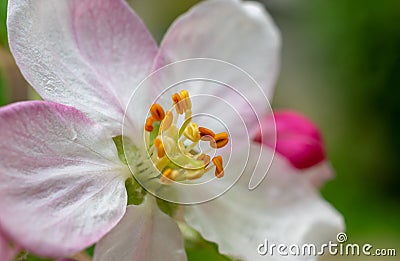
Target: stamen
167, 122
160, 148
205, 158
169, 175
166, 176
220, 140
206, 134
183, 162
190, 147
219, 169
162, 163
157, 112
186, 99
149, 124
195, 174
175, 175
169, 143
178, 103
192, 132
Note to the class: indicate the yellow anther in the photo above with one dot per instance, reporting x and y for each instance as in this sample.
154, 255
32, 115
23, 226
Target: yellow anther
160, 148
185, 99
174, 175
167, 122
206, 134
184, 94
219, 169
205, 158
149, 124
176, 98
157, 112
166, 176
167, 173
192, 132
220, 140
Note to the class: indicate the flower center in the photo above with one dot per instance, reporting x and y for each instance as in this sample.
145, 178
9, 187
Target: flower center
174, 150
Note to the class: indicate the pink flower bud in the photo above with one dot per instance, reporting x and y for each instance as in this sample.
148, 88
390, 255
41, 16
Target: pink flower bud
298, 139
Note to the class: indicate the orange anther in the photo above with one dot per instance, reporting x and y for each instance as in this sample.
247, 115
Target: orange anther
160, 151
219, 169
205, 158
166, 176
149, 124
220, 140
167, 173
178, 103
157, 112
157, 142
206, 134
160, 148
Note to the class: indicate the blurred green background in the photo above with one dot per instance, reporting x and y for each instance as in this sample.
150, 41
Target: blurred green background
341, 68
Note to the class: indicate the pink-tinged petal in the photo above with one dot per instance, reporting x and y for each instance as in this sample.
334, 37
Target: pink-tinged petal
144, 234
284, 209
87, 54
250, 40
318, 174
235, 32
298, 139
7, 249
62, 186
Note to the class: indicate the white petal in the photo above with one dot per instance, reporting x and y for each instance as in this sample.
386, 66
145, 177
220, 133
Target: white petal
87, 54
241, 33
144, 234
285, 208
62, 186
235, 32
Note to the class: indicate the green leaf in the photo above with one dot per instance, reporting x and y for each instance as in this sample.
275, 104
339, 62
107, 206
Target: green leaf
135, 192
197, 248
168, 208
118, 141
3, 91
127, 151
208, 251
3, 27
154, 133
90, 250
24, 256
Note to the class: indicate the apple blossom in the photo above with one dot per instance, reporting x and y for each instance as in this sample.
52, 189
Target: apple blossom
63, 178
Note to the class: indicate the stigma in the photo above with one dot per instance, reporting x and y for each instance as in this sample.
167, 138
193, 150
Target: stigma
173, 148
